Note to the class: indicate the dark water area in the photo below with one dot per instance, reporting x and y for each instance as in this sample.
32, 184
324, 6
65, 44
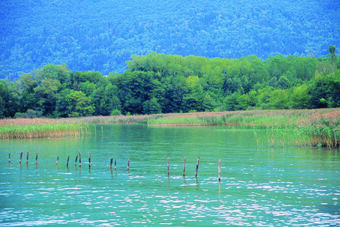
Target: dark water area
268, 185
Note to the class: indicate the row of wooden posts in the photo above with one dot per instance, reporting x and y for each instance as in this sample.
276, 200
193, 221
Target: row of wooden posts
78, 160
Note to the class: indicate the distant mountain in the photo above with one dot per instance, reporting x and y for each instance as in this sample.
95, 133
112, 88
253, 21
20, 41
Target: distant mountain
102, 35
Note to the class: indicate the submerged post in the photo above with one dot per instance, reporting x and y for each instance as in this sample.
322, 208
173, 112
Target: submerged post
79, 159
75, 161
68, 159
20, 158
9, 157
219, 170
36, 159
89, 159
184, 166
197, 165
128, 165
168, 166
27, 157
111, 160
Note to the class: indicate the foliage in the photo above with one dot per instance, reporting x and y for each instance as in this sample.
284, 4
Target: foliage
159, 83
91, 35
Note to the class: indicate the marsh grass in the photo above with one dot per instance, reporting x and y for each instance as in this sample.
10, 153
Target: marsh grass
38, 128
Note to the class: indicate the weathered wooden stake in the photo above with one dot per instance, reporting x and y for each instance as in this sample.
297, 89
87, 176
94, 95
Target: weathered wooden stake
68, 159
27, 157
197, 165
128, 165
89, 159
79, 159
219, 170
36, 158
115, 165
20, 158
168, 166
75, 161
56, 162
9, 157
111, 160
185, 160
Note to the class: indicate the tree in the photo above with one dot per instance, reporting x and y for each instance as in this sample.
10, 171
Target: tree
325, 91
283, 83
151, 106
10, 96
46, 94
80, 104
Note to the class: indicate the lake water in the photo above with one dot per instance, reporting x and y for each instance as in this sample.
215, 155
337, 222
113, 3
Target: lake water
261, 184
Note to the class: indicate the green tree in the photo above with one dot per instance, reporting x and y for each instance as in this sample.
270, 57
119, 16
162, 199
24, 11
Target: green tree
46, 94
80, 104
152, 106
325, 91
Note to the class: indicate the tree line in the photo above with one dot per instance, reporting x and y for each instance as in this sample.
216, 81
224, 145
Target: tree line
160, 83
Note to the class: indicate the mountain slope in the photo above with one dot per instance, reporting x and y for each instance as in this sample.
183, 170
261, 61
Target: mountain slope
102, 35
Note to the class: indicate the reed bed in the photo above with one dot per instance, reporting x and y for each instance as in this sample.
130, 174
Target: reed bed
38, 128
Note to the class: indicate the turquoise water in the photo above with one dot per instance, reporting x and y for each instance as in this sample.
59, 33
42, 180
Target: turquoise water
260, 185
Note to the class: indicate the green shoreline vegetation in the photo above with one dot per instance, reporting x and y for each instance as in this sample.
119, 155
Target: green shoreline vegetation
40, 128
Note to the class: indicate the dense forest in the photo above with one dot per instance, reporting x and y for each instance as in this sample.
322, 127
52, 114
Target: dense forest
159, 83
102, 35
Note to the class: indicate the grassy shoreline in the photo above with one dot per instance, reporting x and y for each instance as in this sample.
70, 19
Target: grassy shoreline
22, 128
316, 127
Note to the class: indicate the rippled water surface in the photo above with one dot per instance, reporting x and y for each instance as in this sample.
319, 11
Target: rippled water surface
268, 185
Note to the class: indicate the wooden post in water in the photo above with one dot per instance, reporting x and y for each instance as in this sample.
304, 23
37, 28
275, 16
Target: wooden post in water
197, 165
36, 159
219, 170
184, 166
111, 160
27, 158
20, 158
9, 157
115, 165
89, 159
75, 161
79, 159
168, 166
128, 165
56, 162
68, 159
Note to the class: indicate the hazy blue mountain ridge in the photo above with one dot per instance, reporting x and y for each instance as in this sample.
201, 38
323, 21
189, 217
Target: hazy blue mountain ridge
102, 35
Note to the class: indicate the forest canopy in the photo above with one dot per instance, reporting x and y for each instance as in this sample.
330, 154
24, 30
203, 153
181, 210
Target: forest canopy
160, 83
101, 35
